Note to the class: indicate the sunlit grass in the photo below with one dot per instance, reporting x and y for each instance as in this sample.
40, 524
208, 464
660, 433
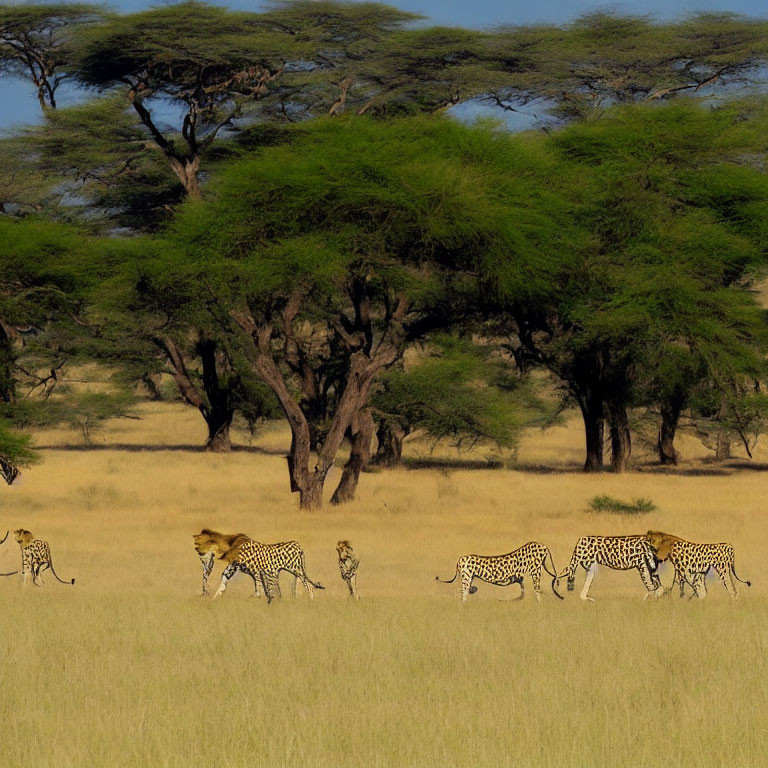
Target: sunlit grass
130, 668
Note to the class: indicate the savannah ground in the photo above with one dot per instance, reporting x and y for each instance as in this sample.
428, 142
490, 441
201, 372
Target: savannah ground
130, 667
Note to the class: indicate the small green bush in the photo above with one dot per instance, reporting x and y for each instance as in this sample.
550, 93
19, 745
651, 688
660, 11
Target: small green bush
609, 504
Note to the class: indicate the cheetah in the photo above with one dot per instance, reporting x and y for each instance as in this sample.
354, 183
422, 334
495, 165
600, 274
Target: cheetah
622, 553
692, 561
263, 563
504, 570
348, 565
35, 557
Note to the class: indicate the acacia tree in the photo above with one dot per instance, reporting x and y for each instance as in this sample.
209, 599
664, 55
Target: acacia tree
229, 60
36, 40
143, 333
36, 288
358, 230
670, 231
457, 390
602, 59
99, 158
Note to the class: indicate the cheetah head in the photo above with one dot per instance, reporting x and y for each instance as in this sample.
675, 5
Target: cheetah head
23, 536
661, 543
343, 548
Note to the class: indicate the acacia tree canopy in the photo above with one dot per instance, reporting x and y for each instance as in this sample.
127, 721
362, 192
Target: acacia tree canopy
603, 58
228, 60
36, 41
671, 213
345, 244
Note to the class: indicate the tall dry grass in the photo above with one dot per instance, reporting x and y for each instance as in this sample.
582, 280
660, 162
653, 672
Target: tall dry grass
130, 668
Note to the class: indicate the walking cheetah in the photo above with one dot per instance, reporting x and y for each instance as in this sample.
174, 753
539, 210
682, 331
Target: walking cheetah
622, 553
348, 565
35, 557
692, 561
503, 570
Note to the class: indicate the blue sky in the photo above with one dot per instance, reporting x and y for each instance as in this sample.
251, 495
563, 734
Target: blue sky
18, 103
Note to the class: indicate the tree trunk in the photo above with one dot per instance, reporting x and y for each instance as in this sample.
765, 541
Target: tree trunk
670, 416
186, 171
218, 423
308, 480
361, 435
311, 497
7, 361
723, 445
621, 440
219, 412
592, 413
390, 449
151, 386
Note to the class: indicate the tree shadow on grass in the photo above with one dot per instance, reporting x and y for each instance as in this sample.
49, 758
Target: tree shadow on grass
141, 448
705, 469
475, 464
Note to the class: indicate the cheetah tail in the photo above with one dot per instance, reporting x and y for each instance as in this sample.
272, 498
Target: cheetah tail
553, 573
437, 578
5, 537
733, 571
57, 576
12, 573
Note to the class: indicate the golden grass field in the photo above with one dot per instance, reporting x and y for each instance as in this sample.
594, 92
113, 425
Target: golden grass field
130, 667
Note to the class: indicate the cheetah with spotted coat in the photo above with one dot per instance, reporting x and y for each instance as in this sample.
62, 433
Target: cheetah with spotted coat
35, 557
622, 553
503, 570
692, 561
263, 563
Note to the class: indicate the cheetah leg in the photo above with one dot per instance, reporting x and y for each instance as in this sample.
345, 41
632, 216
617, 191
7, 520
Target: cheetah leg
258, 582
724, 572
352, 584
591, 571
258, 585
679, 576
699, 584
521, 596
307, 586
272, 584
39, 575
536, 579
650, 581
225, 577
207, 563
263, 579
466, 585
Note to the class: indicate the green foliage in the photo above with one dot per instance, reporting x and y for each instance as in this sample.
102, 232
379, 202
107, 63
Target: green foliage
15, 447
461, 392
363, 196
38, 261
36, 40
609, 504
603, 58
217, 45
84, 411
98, 155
